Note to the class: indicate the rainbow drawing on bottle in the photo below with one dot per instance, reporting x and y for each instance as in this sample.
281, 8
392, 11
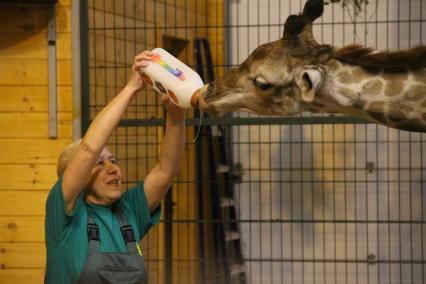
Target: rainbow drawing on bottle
176, 72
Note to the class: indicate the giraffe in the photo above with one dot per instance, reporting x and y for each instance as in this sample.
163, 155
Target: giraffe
296, 74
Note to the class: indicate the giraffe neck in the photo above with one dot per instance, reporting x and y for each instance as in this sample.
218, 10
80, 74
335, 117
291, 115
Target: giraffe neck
396, 98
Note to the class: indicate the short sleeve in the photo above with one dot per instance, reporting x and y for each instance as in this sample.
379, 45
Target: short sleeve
135, 198
57, 219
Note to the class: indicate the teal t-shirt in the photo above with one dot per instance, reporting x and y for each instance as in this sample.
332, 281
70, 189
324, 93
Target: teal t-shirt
66, 234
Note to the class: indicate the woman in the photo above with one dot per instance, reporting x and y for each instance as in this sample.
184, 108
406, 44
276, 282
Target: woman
92, 227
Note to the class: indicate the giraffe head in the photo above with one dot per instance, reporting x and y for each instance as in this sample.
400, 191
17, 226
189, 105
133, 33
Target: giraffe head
278, 78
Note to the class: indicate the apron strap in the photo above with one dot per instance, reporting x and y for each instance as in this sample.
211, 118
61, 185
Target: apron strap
92, 233
126, 229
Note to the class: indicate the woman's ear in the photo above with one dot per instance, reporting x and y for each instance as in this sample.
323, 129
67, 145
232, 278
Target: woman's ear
309, 81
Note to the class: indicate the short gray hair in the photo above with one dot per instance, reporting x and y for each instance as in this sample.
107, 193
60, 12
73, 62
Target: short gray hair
66, 155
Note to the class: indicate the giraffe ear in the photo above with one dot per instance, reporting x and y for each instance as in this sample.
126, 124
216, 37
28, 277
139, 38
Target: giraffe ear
309, 82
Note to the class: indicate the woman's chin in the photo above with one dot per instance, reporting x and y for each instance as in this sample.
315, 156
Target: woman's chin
115, 196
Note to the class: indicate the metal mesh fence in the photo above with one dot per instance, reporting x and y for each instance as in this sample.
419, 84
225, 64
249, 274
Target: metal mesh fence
322, 199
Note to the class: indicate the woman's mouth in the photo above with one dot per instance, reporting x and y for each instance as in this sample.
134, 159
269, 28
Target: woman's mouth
114, 182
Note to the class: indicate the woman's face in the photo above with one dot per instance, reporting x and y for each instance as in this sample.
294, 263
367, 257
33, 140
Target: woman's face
104, 187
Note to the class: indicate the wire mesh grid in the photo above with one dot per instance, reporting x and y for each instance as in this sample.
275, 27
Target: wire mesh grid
340, 202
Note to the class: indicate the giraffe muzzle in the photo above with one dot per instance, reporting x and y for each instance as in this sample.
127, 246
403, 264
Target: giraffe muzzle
203, 97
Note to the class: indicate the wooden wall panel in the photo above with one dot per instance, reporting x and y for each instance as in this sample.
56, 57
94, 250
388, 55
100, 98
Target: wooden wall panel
22, 276
23, 203
32, 125
35, 47
25, 151
23, 255
28, 158
27, 176
33, 72
34, 99
24, 229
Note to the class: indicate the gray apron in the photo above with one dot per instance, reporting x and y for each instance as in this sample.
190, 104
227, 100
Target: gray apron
113, 268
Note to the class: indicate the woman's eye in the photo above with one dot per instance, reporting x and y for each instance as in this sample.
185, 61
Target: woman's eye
262, 84
112, 161
100, 163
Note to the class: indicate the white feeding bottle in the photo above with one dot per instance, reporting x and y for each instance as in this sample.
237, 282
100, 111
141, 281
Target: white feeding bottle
168, 75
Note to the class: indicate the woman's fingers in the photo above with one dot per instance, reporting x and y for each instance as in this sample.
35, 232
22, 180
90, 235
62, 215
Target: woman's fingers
142, 60
141, 64
146, 55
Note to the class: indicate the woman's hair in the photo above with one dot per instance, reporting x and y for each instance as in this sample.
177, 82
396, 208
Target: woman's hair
66, 156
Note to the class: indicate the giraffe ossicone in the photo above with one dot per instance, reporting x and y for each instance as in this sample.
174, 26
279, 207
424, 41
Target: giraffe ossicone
296, 74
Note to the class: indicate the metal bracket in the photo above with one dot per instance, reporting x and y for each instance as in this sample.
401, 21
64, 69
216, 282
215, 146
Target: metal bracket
51, 41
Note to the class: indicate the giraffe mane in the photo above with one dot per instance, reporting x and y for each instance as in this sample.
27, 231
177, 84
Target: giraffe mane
367, 57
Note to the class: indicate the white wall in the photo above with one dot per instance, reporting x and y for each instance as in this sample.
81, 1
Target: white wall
319, 172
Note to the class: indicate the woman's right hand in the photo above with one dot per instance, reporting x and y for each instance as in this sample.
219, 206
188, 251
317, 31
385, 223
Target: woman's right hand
141, 61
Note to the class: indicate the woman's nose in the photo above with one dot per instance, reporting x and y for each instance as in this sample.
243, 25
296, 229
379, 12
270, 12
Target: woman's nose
111, 167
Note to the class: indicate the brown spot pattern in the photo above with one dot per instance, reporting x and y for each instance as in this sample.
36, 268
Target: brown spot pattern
348, 93
360, 74
318, 105
359, 104
333, 65
416, 93
424, 116
394, 88
396, 114
406, 108
376, 106
394, 81
345, 77
372, 88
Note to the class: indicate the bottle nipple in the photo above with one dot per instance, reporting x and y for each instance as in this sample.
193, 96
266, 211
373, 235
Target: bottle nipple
195, 97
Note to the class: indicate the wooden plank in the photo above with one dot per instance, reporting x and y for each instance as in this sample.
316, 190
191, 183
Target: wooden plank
65, 3
18, 98
32, 72
63, 19
22, 203
22, 255
63, 46
35, 46
27, 177
29, 20
27, 151
23, 72
21, 229
22, 276
33, 125
64, 74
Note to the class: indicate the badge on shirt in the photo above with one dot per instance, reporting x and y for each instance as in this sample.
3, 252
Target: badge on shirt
139, 249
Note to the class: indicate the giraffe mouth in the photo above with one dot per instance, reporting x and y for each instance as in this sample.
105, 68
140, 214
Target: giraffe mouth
209, 108
207, 99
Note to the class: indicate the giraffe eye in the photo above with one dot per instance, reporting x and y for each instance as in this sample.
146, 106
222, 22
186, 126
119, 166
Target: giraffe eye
262, 84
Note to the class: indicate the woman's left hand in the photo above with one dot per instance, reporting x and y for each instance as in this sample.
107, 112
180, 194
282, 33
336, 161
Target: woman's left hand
174, 112
141, 61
